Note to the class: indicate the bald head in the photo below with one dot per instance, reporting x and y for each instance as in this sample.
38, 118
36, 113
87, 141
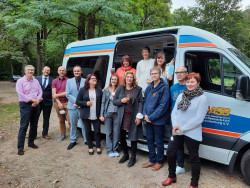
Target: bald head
61, 71
181, 74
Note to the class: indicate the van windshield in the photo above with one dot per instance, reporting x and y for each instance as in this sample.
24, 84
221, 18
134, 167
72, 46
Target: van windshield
241, 56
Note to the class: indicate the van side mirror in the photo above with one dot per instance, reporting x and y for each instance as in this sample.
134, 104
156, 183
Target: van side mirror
243, 88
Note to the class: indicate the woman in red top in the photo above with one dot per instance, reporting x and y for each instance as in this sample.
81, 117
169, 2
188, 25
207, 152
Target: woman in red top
126, 63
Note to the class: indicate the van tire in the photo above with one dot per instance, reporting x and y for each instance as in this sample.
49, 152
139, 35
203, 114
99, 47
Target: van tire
245, 166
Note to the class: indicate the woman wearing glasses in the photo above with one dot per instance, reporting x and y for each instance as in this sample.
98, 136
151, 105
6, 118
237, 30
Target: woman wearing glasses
89, 99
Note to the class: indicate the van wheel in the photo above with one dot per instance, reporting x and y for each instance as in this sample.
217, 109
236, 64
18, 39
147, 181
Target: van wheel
245, 166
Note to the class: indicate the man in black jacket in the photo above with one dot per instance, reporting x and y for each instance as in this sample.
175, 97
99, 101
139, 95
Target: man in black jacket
46, 81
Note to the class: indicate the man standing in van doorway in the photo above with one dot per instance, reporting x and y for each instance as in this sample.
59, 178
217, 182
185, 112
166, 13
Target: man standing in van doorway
175, 90
72, 88
61, 102
143, 68
45, 82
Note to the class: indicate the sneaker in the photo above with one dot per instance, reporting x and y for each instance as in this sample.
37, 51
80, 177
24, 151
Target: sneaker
116, 154
111, 154
179, 170
62, 137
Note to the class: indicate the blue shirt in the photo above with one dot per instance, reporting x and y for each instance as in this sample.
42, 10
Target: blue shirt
175, 91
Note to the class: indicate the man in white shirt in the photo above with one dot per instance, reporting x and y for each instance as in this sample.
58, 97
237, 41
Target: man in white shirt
143, 68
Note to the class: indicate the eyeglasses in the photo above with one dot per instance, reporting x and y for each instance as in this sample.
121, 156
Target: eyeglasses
182, 72
93, 79
154, 73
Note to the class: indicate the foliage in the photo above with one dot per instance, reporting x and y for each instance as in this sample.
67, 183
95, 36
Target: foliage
37, 32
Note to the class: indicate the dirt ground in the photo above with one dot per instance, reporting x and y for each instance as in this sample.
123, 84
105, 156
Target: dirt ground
52, 165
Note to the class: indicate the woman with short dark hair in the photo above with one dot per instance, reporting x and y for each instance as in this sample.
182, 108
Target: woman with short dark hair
188, 114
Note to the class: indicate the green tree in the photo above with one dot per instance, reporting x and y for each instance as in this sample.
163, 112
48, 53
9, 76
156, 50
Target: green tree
151, 13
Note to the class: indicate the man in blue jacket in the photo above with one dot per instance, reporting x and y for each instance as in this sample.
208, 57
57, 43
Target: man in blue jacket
72, 88
156, 114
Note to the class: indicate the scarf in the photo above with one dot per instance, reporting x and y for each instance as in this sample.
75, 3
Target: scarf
126, 68
187, 96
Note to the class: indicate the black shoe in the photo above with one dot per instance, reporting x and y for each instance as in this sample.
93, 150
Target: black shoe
131, 161
71, 145
34, 146
91, 152
124, 158
99, 152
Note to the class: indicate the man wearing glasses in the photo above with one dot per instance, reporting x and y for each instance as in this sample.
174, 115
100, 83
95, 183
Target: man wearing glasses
176, 90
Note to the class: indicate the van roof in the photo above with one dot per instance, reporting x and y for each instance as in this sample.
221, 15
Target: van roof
179, 30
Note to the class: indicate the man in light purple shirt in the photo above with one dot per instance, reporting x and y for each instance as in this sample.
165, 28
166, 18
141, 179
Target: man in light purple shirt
30, 95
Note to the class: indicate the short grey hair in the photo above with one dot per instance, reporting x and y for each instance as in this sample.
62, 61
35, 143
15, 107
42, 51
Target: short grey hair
156, 68
29, 66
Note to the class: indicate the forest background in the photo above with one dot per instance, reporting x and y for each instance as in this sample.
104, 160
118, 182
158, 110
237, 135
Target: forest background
37, 31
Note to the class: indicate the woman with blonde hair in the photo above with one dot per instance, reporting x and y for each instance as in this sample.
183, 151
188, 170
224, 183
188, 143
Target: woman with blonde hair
128, 98
109, 116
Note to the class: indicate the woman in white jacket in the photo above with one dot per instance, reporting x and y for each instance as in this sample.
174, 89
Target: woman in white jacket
187, 116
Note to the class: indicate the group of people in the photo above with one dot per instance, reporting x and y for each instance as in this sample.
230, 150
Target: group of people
132, 96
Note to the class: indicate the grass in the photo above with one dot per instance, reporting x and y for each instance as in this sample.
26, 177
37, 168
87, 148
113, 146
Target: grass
9, 115
227, 81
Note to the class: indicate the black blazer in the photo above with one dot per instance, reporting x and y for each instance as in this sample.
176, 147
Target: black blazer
47, 93
83, 98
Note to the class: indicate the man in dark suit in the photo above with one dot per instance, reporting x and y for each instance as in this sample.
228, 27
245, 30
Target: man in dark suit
46, 81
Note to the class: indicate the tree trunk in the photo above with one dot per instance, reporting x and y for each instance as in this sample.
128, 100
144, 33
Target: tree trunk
25, 56
11, 66
39, 53
44, 47
81, 27
91, 26
99, 28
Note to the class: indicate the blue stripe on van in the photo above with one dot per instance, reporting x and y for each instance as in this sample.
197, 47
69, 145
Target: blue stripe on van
192, 39
90, 48
67, 51
231, 123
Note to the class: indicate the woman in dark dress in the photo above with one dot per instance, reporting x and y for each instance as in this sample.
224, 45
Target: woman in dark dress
129, 100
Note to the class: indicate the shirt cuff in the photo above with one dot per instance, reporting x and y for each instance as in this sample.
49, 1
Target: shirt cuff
139, 116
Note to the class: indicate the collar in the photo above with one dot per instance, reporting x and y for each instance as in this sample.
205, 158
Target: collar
62, 78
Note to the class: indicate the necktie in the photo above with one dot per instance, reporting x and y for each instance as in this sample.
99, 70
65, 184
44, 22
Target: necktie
77, 84
44, 83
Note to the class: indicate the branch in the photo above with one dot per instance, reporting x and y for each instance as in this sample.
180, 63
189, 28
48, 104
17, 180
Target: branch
68, 23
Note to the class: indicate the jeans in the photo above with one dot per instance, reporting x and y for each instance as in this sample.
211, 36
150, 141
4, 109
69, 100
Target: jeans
62, 117
154, 135
74, 115
46, 116
29, 116
87, 125
125, 146
193, 151
112, 132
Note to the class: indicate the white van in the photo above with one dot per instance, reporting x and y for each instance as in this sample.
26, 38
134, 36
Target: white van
225, 75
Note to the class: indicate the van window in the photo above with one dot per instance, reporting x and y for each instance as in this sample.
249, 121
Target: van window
97, 65
218, 74
132, 47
